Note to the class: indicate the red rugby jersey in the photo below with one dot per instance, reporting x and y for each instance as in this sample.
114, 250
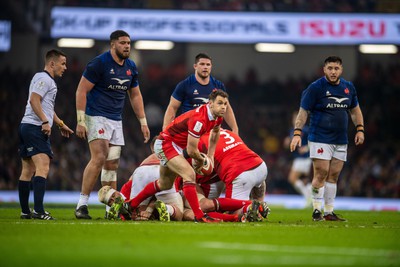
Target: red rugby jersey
232, 155
195, 122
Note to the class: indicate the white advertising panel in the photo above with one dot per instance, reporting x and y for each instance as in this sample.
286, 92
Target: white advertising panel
227, 27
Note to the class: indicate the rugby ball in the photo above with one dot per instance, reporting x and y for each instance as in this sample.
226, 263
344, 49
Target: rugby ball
207, 168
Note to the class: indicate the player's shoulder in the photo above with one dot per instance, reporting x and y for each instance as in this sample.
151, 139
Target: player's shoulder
319, 82
217, 83
43, 77
187, 82
130, 63
316, 85
99, 60
347, 83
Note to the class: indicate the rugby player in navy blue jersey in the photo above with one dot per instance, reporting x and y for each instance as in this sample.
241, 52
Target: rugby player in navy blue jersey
328, 100
100, 99
194, 91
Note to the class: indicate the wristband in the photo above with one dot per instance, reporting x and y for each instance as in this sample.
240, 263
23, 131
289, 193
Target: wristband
359, 125
297, 132
45, 122
185, 154
80, 116
143, 121
61, 124
360, 131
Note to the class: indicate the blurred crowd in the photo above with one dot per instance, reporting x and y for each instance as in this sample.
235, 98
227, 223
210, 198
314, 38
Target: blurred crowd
263, 111
361, 6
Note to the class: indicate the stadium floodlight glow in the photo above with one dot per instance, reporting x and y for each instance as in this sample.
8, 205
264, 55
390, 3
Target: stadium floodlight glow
153, 45
274, 48
378, 49
75, 43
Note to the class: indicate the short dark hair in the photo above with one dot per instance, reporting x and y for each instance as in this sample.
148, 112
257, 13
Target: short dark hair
53, 54
201, 55
217, 92
118, 33
334, 59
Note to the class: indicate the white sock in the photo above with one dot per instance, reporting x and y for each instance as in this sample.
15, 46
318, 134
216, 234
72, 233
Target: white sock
83, 200
300, 187
329, 197
317, 197
170, 209
108, 208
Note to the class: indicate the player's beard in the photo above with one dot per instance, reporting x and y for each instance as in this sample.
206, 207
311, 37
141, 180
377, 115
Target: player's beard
202, 75
331, 81
123, 55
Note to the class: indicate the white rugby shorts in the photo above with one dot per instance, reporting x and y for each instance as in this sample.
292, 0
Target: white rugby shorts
102, 128
302, 165
244, 183
327, 151
146, 174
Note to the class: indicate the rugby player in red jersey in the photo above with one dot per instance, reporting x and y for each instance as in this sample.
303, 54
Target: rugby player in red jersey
185, 132
241, 169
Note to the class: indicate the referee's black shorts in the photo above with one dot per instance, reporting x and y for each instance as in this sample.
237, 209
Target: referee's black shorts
33, 141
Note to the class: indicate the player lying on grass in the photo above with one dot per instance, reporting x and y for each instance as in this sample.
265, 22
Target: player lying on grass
170, 202
148, 172
154, 209
226, 209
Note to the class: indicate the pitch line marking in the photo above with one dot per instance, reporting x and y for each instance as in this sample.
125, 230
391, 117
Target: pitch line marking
301, 249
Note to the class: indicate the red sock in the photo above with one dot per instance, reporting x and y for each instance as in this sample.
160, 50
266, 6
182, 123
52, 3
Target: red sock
189, 190
230, 204
149, 190
126, 189
224, 217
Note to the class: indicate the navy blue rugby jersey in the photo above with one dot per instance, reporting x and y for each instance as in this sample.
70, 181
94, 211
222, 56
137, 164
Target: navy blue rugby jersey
328, 105
111, 82
193, 94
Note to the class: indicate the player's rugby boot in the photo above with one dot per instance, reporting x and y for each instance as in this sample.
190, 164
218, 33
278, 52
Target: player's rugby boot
207, 219
253, 212
162, 211
264, 209
119, 208
317, 216
333, 217
82, 213
42, 216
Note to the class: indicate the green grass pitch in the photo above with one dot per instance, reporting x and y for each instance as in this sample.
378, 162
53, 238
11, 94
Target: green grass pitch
288, 238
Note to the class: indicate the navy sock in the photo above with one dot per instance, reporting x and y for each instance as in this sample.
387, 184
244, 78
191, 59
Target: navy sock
24, 188
39, 187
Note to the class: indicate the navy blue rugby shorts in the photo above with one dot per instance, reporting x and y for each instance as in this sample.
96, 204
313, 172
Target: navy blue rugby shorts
33, 141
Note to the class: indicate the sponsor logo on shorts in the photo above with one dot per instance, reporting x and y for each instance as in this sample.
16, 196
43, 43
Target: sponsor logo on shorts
101, 131
320, 150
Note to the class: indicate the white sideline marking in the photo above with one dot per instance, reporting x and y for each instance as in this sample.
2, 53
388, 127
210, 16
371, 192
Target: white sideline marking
291, 260
301, 249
